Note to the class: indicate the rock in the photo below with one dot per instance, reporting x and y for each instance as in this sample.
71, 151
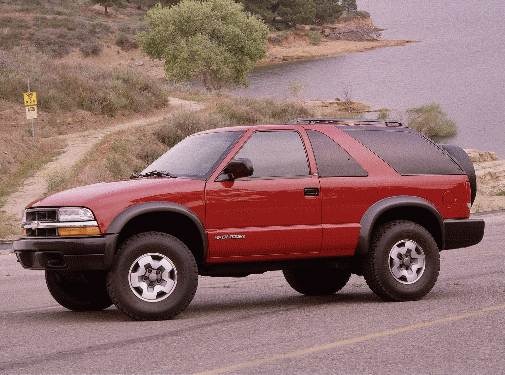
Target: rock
477, 156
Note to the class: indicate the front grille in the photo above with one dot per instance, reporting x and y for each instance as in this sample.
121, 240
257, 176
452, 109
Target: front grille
42, 215
42, 232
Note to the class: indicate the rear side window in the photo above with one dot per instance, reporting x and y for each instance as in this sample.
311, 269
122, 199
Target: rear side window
406, 151
332, 160
276, 154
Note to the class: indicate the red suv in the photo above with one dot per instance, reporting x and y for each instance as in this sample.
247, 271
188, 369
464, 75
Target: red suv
320, 199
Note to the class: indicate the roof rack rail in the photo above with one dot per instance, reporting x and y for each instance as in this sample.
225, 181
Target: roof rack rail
349, 122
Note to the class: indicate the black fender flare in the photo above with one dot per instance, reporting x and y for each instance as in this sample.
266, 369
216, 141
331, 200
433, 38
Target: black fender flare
371, 215
131, 212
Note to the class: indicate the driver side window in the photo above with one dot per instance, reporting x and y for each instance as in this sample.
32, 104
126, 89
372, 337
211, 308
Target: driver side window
276, 154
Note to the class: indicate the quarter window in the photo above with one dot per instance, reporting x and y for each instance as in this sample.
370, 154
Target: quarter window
407, 151
332, 160
276, 154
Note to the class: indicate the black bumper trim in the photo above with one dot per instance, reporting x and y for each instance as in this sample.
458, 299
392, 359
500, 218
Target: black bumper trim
463, 233
86, 253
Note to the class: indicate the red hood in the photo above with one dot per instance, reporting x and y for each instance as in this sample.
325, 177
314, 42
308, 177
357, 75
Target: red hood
107, 200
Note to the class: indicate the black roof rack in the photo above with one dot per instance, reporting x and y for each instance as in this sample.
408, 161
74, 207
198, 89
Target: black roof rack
349, 122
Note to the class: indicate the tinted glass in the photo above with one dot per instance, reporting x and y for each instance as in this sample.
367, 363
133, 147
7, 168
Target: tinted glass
196, 156
276, 154
332, 160
406, 151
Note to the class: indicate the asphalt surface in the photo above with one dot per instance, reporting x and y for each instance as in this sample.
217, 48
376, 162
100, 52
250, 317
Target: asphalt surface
259, 325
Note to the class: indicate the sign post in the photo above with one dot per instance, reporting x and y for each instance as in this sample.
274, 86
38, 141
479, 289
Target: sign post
30, 100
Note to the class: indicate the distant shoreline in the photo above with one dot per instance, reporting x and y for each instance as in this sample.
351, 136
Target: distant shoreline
327, 48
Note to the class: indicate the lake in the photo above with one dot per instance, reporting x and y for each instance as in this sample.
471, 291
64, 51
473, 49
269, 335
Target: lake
457, 62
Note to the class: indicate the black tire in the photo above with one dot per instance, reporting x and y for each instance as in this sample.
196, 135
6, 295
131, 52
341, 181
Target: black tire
316, 281
79, 291
175, 301
466, 164
376, 265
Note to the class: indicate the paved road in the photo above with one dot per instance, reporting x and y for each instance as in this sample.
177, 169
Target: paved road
259, 325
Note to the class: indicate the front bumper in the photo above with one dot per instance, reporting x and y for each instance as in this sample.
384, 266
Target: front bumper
462, 233
73, 254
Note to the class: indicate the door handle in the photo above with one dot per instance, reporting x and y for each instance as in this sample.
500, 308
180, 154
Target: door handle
311, 192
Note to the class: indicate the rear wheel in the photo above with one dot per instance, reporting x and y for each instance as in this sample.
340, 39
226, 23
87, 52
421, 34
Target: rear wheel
155, 277
403, 262
316, 281
79, 291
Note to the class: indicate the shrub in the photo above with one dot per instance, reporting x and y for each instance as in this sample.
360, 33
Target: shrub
383, 114
242, 111
126, 43
214, 42
432, 121
90, 49
314, 37
183, 124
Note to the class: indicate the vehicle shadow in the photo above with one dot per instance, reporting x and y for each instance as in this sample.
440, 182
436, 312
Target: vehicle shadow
199, 307
206, 306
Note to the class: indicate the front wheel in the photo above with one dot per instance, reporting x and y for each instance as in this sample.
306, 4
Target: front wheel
403, 262
79, 291
155, 277
316, 281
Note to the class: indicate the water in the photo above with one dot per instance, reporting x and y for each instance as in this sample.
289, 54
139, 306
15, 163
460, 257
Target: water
458, 62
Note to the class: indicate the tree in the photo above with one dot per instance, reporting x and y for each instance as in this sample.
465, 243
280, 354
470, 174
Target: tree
106, 4
214, 41
327, 10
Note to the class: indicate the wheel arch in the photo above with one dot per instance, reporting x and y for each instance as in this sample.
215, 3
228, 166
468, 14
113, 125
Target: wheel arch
411, 208
171, 218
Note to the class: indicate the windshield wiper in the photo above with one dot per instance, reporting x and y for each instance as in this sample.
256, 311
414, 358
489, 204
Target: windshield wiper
154, 173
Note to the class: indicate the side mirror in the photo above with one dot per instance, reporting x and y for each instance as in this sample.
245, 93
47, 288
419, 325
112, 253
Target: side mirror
236, 168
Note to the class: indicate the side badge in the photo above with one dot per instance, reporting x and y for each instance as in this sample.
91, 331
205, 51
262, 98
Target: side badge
230, 237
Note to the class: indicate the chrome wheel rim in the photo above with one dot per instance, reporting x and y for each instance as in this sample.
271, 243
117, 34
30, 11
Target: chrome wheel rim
407, 261
152, 277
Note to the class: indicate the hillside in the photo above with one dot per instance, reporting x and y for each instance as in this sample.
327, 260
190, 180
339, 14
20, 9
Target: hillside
90, 75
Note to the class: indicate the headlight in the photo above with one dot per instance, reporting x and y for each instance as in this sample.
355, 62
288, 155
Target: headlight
75, 214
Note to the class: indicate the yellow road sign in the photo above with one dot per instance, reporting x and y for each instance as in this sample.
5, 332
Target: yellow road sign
30, 98
31, 112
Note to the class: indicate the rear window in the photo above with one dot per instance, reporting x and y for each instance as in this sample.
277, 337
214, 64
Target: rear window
408, 152
332, 160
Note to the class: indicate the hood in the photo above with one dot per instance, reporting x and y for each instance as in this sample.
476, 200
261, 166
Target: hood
107, 200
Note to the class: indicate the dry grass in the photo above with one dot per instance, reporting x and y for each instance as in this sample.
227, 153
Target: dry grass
67, 87
21, 156
58, 27
9, 226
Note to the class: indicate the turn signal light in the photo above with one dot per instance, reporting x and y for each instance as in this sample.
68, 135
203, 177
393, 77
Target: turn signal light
79, 232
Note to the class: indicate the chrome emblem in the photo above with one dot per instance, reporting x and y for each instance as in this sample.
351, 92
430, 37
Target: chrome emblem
230, 237
34, 225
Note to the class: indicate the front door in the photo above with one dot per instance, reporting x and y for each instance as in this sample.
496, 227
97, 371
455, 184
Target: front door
273, 213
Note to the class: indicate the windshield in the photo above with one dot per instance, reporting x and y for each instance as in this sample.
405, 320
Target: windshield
195, 156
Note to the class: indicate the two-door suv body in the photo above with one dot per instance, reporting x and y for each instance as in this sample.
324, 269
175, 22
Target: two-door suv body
318, 199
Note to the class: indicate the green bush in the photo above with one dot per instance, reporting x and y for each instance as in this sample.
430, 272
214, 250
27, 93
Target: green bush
214, 42
432, 121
